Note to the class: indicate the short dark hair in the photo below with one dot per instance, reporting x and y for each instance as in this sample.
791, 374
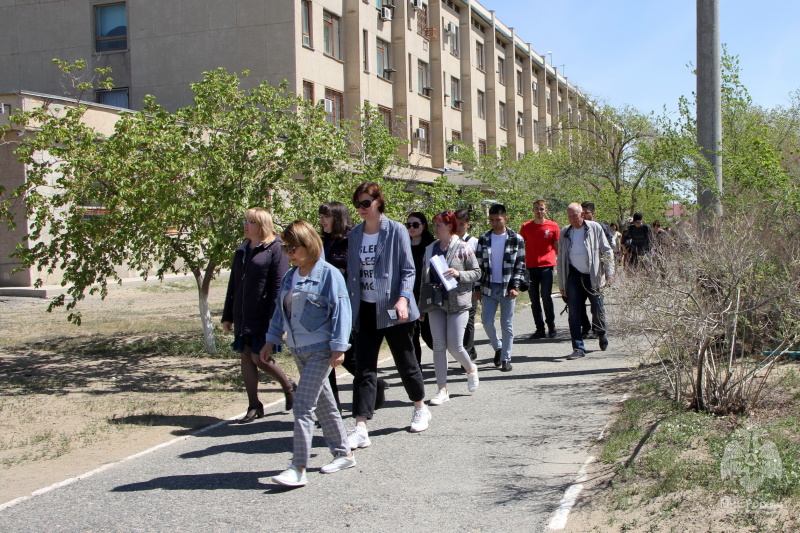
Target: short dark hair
448, 218
341, 219
462, 214
637, 216
589, 206
613, 225
497, 209
656, 223
372, 189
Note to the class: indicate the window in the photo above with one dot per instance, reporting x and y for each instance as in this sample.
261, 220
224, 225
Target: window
382, 48
520, 124
478, 26
535, 87
305, 7
456, 135
481, 147
331, 34
481, 104
423, 78
338, 106
308, 90
452, 36
480, 63
501, 70
111, 23
455, 93
365, 50
519, 82
422, 21
549, 107
537, 132
502, 115
386, 117
115, 97
424, 143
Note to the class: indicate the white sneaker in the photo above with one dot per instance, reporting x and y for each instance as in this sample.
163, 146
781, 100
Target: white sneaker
340, 462
358, 438
420, 419
472, 381
291, 477
440, 398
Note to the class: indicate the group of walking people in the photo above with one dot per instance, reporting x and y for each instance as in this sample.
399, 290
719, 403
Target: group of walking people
355, 286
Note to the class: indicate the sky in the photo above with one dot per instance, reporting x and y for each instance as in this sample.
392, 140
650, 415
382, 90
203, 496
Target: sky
637, 52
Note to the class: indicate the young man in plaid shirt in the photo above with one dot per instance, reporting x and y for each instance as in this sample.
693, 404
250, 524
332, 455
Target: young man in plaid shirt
501, 256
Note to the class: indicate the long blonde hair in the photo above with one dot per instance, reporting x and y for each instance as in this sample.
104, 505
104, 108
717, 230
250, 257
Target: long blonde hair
266, 230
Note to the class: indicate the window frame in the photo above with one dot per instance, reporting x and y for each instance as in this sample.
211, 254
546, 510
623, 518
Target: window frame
331, 35
338, 110
306, 24
383, 59
480, 56
425, 144
501, 70
520, 84
455, 93
119, 90
481, 104
98, 39
423, 78
501, 115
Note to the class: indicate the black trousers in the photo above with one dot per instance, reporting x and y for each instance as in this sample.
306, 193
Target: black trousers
469, 331
422, 329
540, 289
368, 344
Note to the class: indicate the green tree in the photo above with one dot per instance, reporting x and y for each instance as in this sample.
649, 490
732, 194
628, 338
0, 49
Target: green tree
172, 186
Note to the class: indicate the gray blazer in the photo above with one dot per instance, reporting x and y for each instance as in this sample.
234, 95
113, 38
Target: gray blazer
601, 256
461, 257
394, 272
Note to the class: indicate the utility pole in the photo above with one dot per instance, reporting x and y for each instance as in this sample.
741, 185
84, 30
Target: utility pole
709, 111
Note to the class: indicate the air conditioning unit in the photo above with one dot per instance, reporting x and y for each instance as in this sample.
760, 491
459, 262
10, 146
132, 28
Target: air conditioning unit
328, 105
416, 4
386, 13
520, 121
450, 28
420, 133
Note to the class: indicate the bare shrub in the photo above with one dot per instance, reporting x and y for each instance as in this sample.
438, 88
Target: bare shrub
718, 310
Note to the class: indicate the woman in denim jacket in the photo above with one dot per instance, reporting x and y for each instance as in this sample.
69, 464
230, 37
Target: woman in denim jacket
313, 309
449, 321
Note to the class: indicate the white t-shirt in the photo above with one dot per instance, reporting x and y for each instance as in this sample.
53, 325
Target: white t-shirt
578, 255
287, 300
498, 252
369, 245
470, 240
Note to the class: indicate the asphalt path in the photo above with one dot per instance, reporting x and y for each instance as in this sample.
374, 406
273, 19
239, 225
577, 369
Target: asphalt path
497, 460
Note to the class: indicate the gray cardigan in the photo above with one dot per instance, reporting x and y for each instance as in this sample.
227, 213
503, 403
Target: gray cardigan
601, 256
461, 257
394, 272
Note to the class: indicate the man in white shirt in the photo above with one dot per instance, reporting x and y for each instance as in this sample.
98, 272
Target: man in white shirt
462, 216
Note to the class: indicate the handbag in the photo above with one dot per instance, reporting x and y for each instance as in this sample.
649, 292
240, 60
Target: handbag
431, 297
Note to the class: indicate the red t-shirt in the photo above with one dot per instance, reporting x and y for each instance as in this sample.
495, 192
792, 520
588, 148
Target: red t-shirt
540, 241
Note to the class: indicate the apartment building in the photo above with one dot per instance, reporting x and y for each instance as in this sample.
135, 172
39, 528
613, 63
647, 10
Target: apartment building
438, 70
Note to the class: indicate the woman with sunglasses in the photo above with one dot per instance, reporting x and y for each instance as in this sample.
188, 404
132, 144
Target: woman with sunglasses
256, 272
313, 309
421, 237
380, 281
335, 222
449, 321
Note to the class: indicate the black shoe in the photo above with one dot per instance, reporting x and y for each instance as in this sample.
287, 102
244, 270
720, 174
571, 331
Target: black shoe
290, 397
577, 354
585, 333
590, 335
603, 342
497, 357
506, 366
253, 412
538, 334
380, 393
552, 333
473, 355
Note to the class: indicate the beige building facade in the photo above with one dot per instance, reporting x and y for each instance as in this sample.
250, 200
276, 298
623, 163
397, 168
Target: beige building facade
438, 70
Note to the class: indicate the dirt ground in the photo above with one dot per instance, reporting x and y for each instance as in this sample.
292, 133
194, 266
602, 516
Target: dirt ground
132, 376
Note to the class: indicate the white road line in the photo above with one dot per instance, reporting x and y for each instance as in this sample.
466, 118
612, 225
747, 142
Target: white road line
105, 467
559, 520
608, 424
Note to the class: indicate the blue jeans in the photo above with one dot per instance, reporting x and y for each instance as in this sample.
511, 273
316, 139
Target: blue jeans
506, 304
579, 287
541, 287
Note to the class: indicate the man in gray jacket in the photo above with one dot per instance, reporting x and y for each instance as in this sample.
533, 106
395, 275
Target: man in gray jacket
585, 266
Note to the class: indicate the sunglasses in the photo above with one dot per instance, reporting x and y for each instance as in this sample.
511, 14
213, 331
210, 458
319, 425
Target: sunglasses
246, 221
414, 225
363, 203
288, 249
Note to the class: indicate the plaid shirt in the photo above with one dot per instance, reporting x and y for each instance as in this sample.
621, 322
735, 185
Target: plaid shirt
514, 271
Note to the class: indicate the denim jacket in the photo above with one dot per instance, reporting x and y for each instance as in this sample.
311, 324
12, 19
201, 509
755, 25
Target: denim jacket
321, 316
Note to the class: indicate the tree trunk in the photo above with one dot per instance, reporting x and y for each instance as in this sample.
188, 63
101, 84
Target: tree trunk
203, 286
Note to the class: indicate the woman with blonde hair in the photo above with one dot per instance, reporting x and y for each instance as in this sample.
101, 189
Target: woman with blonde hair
257, 268
313, 309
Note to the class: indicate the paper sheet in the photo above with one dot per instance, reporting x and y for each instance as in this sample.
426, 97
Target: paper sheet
438, 263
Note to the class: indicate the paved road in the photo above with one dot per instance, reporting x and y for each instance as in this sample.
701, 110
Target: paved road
496, 460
